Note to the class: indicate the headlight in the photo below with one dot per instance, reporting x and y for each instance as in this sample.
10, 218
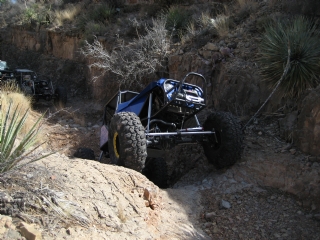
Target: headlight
168, 86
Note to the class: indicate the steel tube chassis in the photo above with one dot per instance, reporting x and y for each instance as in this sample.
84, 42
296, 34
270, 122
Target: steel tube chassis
185, 108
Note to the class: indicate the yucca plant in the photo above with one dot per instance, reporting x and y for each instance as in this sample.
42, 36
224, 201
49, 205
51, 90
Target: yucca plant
302, 37
16, 153
177, 19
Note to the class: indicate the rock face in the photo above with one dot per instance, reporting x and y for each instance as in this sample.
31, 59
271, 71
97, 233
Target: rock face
307, 134
288, 176
231, 86
29, 232
51, 54
58, 44
55, 54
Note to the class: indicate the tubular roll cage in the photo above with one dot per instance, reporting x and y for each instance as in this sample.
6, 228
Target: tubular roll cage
124, 96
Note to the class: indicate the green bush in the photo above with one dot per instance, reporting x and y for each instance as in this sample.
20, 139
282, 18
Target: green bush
302, 36
14, 151
102, 13
29, 15
36, 13
82, 21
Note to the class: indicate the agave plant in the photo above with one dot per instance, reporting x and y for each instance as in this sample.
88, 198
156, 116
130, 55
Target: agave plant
302, 37
13, 150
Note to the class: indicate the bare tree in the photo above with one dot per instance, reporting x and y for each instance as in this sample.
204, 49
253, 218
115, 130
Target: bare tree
135, 60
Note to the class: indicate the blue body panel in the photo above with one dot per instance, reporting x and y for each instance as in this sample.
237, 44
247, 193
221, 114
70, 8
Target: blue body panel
135, 104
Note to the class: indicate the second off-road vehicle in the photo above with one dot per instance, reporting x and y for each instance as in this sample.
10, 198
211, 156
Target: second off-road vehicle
38, 87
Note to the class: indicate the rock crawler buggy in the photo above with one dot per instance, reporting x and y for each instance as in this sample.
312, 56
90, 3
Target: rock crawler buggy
136, 125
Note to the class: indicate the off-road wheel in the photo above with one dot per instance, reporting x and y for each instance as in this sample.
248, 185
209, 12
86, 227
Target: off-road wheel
60, 99
156, 171
85, 153
127, 141
225, 149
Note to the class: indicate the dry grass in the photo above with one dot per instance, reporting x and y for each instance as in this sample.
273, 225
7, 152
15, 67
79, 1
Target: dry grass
205, 20
43, 200
191, 32
191, 28
66, 14
12, 94
221, 24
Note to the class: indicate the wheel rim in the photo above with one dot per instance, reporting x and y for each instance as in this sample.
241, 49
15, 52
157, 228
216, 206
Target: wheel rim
116, 144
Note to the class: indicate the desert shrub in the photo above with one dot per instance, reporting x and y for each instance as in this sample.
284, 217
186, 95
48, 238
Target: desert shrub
191, 32
18, 131
69, 14
301, 35
133, 62
203, 28
102, 13
95, 28
206, 27
204, 20
221, 24
37, 13
177, 20
82, 21
134, 28
29, 14
95, 22
192, 29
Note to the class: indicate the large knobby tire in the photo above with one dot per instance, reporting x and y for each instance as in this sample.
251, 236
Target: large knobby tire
229, 136
156, 171
127, 141
60, 99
